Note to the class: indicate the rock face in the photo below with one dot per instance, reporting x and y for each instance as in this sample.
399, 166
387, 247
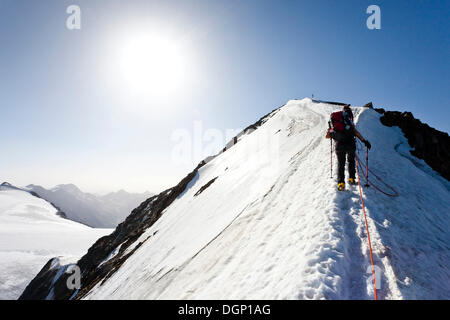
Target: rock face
429, 144
43, 280
368, 105
98, 265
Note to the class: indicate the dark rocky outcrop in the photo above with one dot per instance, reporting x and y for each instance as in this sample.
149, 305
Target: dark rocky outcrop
430, 145
330, 102
44, 280
96, 266
368, 105
204, 187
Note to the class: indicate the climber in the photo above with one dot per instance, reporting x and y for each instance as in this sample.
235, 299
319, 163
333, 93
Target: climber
342, 130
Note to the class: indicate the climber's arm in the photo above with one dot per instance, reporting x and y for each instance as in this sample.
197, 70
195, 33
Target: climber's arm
360, 137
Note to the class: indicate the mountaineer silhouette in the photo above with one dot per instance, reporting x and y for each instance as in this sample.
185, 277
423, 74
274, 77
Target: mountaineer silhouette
343, 131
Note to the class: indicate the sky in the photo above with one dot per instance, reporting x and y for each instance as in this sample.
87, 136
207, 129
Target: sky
144, 90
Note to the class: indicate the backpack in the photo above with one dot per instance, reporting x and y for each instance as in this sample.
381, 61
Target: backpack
340, 127
339, 122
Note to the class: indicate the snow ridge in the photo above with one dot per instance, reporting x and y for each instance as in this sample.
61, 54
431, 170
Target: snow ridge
263, 220
283, 231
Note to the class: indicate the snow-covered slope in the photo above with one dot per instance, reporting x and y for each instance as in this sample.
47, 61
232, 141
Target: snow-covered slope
31, 233
263, 220
93, 210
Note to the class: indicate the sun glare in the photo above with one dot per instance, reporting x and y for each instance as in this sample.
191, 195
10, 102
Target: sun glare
152, 65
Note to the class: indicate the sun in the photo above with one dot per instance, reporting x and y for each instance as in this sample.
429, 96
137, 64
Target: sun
152, 65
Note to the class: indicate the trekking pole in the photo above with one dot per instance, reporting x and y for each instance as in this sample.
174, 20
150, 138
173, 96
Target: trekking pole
367, 168
331, 157
331, 151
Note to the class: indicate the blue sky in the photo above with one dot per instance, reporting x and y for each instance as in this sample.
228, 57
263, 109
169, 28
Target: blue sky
67, 116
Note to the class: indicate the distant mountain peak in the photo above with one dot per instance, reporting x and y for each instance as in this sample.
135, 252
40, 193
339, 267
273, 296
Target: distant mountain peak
70, 187
93, 210
9, 186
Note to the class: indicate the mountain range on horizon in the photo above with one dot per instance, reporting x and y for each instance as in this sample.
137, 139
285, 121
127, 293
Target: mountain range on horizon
32, 231
97, 211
